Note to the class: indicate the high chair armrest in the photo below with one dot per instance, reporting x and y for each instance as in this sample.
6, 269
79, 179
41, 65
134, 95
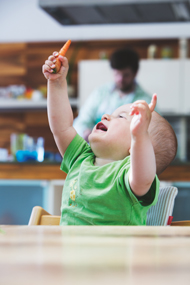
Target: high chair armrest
181, 223
36, 214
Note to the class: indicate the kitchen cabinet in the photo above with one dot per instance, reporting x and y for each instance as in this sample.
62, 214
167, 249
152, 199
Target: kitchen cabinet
92, 74
18, 197
163, 77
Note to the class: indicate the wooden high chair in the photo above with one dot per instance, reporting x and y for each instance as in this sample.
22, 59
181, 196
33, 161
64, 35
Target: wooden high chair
41, 217
157, 215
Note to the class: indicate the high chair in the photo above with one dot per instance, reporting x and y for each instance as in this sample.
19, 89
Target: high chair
41, 217
157, 215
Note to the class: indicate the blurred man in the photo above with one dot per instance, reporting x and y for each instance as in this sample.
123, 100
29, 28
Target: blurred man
107, 98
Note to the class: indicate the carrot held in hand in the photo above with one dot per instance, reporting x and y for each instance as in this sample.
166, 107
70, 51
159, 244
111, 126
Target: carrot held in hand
62, 52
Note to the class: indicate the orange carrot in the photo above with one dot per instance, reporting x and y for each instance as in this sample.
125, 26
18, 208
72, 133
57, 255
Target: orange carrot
62, 52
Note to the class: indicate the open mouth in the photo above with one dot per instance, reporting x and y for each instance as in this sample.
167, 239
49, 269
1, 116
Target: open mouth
102, 127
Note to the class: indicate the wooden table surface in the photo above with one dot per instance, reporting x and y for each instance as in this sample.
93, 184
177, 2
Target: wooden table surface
94, 255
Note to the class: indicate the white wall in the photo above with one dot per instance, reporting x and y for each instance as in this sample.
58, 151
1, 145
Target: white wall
23, 20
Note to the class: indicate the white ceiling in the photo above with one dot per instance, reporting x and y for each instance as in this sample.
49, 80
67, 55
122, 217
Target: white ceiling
23, 20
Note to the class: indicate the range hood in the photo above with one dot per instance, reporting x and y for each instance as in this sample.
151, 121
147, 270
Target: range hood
89, 12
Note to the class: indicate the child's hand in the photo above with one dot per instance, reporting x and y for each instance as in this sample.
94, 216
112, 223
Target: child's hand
49, 65
141, 113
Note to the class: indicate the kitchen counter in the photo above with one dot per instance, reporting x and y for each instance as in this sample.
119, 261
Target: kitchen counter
34, 170
177, 171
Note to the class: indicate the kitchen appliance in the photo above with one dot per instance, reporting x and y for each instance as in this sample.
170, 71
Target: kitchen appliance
89, 12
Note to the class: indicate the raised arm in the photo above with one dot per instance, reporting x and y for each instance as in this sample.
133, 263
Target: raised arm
143, 162
60, 114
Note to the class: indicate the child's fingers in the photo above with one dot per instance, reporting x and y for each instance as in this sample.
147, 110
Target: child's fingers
153, 102
137, 108
49, 63
48, 66
133, 112
52, 58
64, 61
55, 53
138, 103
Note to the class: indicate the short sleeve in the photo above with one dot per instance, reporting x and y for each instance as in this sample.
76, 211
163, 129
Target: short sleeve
77, 148
150, 198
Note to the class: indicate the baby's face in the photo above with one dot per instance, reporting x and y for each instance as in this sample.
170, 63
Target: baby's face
110, 138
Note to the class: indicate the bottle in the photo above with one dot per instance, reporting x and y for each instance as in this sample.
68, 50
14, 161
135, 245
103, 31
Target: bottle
40, 149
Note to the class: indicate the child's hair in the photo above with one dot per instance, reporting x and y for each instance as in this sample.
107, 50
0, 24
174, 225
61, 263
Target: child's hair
164, 141
125, 58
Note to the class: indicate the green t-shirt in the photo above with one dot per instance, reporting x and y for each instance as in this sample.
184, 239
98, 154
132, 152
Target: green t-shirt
100, 195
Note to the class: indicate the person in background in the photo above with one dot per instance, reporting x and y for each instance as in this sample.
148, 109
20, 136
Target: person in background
108, 97
112, 181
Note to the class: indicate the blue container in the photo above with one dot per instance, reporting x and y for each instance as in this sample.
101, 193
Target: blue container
26, 155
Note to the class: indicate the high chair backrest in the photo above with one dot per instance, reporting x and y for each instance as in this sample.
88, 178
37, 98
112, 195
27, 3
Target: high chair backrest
159, 214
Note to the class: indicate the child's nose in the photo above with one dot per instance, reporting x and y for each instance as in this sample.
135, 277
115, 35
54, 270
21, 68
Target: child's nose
106, 117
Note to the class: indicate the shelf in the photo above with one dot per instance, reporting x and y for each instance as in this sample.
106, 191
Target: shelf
12, 104
31, 171
41, 171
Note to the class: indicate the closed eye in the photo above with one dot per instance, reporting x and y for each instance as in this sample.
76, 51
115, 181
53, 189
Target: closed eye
121, 116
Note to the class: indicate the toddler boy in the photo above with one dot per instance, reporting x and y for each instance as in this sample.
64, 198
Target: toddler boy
114, 180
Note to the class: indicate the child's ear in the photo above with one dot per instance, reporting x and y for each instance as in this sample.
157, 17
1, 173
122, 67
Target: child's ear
130, 151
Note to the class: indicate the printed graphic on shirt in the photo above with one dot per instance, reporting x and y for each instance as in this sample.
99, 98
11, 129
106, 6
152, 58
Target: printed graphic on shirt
73, 193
